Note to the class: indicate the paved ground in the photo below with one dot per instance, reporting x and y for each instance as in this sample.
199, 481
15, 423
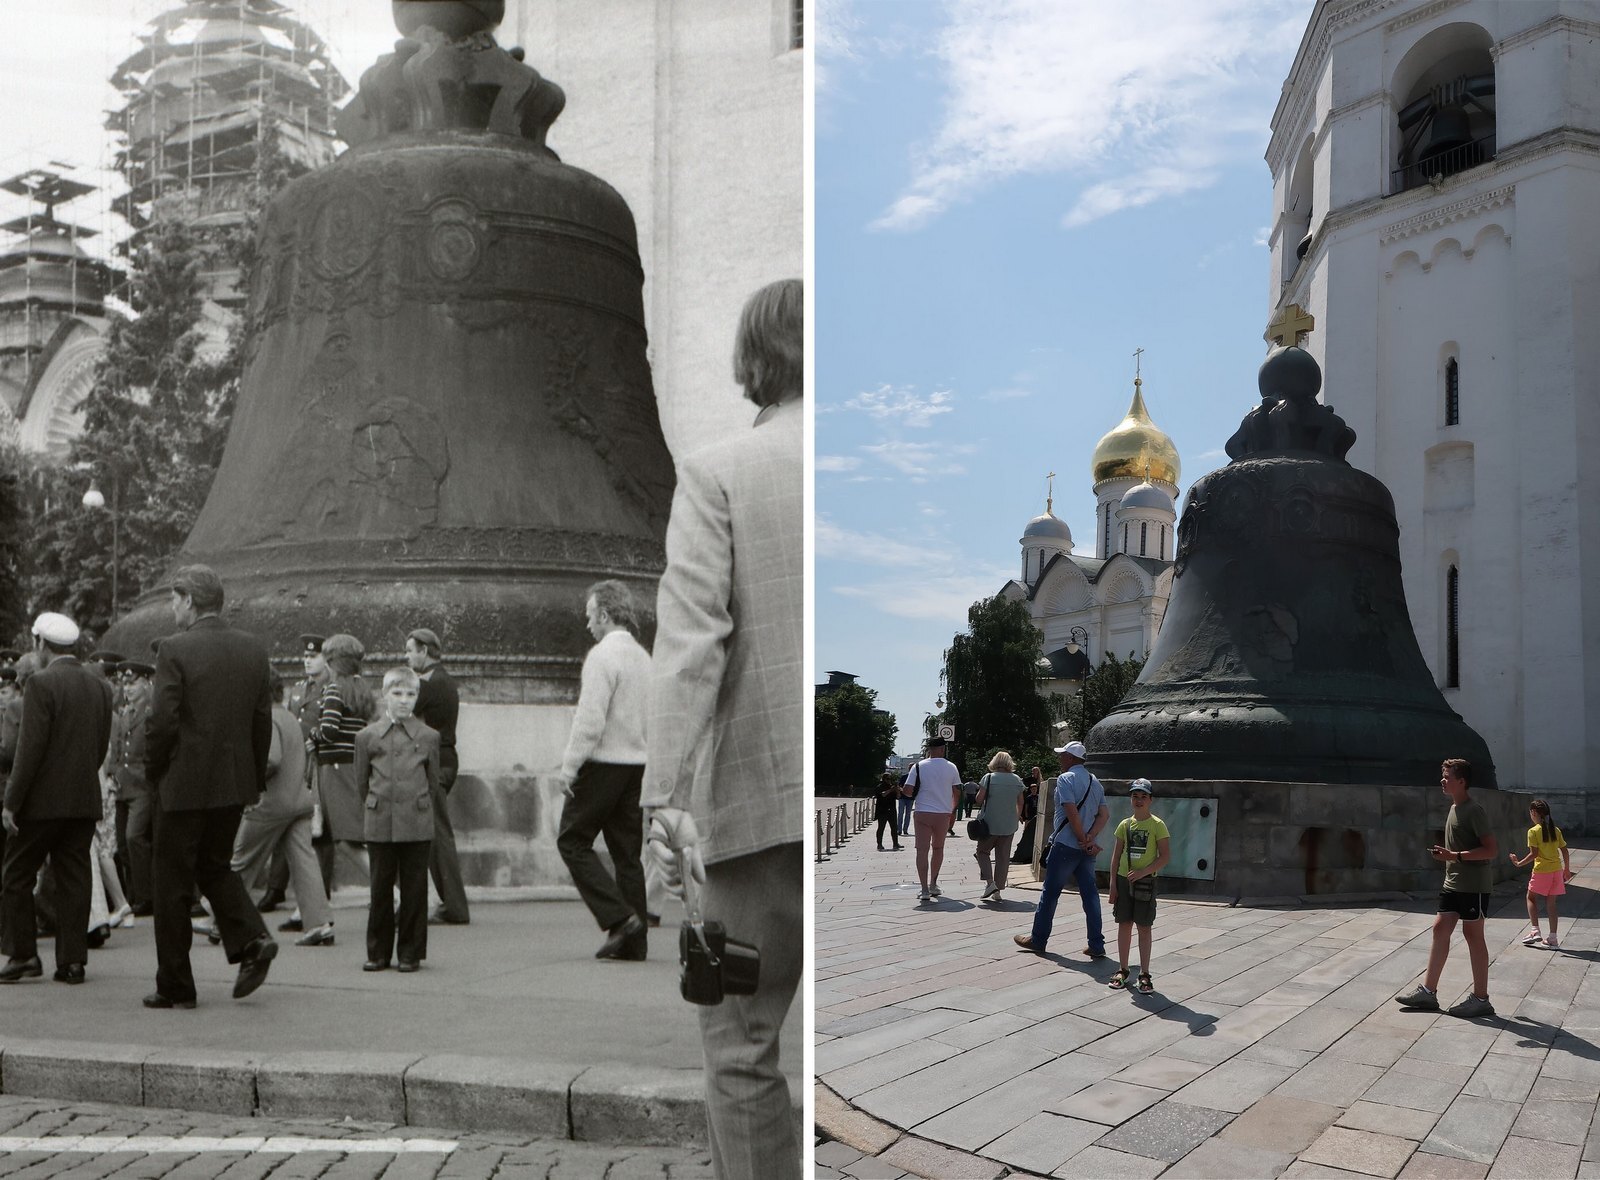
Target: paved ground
1272, 1047
40, 1138
520, 982
511, 1023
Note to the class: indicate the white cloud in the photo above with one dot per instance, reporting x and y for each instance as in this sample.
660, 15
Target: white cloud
833, 27
837, 463
922, 461
842, 544
1146, 106
1010, 393
1263, 236
939, 599
902, 403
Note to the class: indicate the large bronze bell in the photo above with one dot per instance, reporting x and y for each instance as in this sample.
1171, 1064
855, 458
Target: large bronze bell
1287, 653
446, 415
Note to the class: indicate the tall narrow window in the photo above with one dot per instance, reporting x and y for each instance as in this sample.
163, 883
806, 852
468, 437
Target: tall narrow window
1163, 554
1105, 549
1452, 393
1124, 538
1452, 636
1144, 529
797, 24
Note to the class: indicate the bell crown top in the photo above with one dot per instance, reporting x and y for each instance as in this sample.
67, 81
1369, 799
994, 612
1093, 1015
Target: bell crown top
1289, 418
447, 73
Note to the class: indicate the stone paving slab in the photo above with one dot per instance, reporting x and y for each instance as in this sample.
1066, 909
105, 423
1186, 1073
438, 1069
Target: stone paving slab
1273, 1047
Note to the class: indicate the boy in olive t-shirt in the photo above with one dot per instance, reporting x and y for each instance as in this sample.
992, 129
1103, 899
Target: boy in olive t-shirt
1468, 852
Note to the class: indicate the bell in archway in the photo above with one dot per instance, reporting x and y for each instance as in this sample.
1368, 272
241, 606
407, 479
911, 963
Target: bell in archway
446, 413
1287, 653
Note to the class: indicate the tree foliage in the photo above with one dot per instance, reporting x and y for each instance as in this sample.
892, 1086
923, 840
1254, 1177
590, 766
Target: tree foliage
992, 692
1102, 692
155, 421
853, 738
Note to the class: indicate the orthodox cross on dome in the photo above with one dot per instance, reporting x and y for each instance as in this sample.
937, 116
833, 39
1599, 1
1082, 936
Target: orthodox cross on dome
1289, 325
1049, 492
1137, 353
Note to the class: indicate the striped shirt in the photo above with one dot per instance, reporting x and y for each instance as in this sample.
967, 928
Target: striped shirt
337, 726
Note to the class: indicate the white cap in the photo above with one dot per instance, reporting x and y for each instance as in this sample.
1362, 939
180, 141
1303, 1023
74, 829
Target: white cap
1140, 784
56, 629
1076, 749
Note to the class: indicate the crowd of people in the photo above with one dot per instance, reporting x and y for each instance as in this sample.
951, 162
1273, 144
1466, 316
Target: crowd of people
1141, 846
180, 788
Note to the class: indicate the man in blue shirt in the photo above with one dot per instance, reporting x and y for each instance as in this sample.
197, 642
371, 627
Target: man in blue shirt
1080, 814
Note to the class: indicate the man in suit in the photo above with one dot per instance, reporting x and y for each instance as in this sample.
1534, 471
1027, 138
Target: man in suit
52, 801
206, 748
125, 765
728, 673
438, 706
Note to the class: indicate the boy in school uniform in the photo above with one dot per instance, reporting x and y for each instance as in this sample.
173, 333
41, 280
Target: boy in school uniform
396, 771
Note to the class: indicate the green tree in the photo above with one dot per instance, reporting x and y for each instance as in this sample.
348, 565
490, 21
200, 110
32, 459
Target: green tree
991, 684
1102, 692
853, 737
13, 546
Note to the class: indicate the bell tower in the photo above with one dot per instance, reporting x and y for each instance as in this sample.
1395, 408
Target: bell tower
1432, 172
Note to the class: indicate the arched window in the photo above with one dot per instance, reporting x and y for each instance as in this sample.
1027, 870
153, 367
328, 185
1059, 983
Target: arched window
1444, 92
1452, 628
1452, 393
1143, 532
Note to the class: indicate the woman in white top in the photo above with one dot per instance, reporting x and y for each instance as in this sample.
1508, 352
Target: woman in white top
934, 785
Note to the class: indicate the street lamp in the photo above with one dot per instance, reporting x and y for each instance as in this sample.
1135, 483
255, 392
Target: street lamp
94, 499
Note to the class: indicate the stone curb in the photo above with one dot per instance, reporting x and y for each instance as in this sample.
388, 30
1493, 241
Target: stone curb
610, 1103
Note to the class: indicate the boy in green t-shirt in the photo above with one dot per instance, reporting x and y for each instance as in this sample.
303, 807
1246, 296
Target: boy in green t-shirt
1143, 848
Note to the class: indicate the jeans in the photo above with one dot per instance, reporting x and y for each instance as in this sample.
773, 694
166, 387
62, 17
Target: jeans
905, 815
1061, 865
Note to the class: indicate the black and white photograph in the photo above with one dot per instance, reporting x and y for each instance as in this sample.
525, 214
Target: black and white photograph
403, 484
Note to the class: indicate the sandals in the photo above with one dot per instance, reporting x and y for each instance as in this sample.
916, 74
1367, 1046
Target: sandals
1120, 979
1146, 986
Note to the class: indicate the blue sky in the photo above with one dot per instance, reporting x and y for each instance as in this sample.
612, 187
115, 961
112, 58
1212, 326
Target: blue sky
1011, 197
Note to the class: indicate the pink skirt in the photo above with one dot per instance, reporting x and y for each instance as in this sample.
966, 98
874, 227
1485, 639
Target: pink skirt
1548, 884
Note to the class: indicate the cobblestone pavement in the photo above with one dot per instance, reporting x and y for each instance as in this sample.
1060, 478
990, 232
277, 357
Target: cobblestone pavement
72, 1140
1272, 1047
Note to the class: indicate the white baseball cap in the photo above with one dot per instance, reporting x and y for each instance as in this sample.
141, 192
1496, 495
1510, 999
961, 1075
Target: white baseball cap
56, 629
1076, 749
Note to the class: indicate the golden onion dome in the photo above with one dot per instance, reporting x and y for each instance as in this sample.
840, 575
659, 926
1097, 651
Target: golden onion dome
1136, 448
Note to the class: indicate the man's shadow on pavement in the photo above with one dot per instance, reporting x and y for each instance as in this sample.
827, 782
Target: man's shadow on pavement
1535, 1033
945, 904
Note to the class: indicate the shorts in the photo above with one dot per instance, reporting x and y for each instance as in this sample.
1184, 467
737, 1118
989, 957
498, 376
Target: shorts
1125, 909
1469, 907
1551, 884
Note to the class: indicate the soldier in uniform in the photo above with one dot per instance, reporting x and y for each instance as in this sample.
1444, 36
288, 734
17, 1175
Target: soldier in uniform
304, 701
125, 764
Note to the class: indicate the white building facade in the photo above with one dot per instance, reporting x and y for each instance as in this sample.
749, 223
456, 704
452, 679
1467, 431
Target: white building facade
1114, 601
1436, 175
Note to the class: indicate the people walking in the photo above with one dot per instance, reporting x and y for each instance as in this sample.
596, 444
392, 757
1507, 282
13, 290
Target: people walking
999, 802
397, 774
52, 802
344, 710
1142, 847
1552, 869
304, 703
934, 785
207, 743
602, 773
1022, 850
438, 707
1468, 854
281, 825
884, 810
1080, 814
903, 810
135, 806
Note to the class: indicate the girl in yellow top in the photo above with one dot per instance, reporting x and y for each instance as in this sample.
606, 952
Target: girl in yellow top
1552, 869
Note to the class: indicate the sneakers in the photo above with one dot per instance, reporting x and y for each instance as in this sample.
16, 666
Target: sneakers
923, 895
1552, 943
1532, 937
934, 889
1421, 1000
988, 892
1472, 1007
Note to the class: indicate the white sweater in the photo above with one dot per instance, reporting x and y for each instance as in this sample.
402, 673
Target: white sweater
613, 705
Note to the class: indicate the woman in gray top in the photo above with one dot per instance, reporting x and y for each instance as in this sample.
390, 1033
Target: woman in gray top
1000, 797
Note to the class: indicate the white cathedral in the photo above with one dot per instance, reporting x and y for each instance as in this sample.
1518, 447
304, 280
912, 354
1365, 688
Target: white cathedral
1436, 182
1112, 602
